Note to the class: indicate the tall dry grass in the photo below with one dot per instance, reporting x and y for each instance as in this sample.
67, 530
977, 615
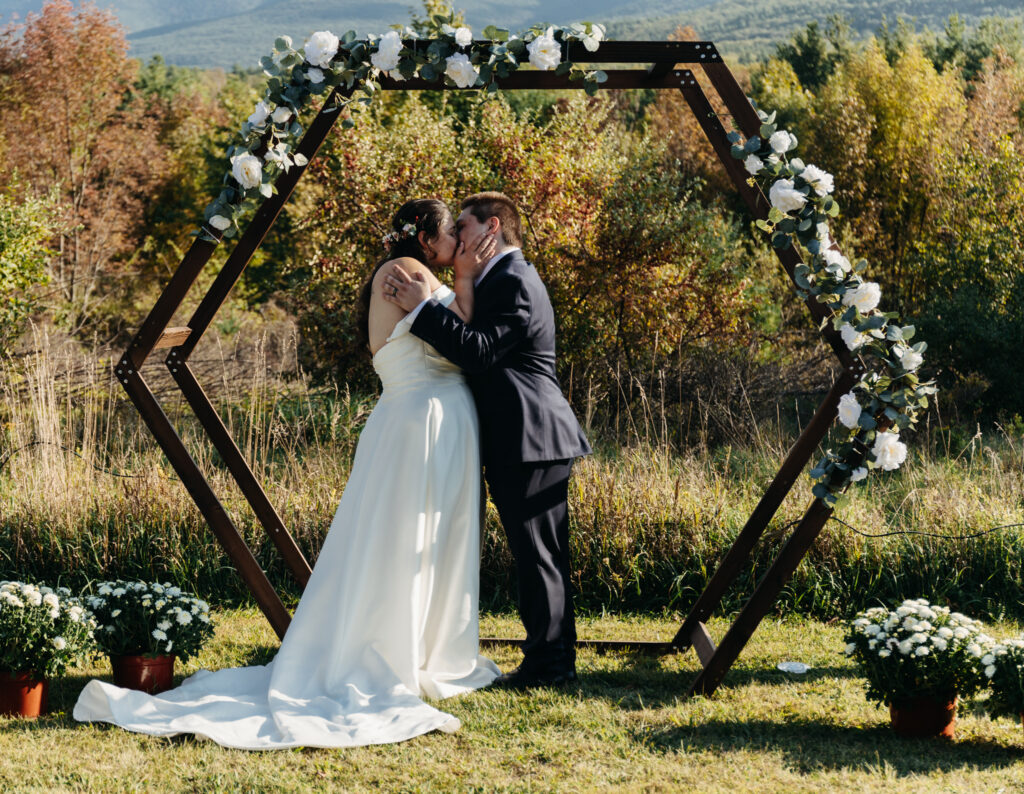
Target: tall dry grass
85, 493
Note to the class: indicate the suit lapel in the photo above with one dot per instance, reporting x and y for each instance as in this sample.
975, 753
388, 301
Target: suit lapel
501, 264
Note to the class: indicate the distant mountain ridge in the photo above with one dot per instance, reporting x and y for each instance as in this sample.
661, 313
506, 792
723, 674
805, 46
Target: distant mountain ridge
237, 32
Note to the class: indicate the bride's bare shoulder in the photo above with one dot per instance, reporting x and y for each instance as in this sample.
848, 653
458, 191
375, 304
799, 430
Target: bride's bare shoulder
410, 266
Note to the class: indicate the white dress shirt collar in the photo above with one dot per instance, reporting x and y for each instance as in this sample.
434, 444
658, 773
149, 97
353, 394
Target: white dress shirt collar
492, 262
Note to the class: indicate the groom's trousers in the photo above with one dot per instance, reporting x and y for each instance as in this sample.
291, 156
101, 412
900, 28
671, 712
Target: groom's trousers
532, 502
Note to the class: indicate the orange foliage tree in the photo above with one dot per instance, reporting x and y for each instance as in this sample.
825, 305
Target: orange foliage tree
69, 120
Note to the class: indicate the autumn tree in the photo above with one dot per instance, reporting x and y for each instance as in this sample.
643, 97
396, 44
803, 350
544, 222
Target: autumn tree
69, 121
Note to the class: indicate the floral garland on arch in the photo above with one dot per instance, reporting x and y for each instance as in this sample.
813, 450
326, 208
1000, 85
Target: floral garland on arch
889, 397
265, 145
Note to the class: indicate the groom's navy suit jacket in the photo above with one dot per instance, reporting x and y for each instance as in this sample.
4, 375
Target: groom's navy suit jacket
508, 354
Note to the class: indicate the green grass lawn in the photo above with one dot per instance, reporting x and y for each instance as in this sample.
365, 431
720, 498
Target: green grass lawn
624, 727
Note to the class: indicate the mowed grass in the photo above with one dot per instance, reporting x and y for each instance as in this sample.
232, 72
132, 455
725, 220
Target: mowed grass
625, 727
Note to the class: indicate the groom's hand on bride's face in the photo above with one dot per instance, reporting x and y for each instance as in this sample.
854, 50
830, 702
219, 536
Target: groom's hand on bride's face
402, 289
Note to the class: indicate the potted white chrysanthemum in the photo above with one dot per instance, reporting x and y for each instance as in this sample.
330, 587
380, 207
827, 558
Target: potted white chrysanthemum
42, 632
1003, 664
144, 627
918, 659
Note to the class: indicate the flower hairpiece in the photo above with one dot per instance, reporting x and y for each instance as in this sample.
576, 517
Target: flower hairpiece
392, 238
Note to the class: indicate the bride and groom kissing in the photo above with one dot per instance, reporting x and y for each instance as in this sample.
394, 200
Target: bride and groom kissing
390, 612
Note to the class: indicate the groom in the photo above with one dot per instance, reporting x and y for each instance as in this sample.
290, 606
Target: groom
528, 431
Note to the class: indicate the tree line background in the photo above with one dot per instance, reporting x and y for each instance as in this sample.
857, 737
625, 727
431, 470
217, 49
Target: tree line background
683, 347
657, 279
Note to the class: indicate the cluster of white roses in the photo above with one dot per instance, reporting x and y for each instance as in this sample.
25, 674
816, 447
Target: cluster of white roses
326, 61
884, 402
915, 629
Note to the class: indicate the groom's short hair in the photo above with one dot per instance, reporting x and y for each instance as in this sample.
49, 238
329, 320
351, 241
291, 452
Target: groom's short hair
492, 204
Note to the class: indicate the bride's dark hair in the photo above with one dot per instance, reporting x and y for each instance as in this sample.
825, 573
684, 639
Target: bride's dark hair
427, 215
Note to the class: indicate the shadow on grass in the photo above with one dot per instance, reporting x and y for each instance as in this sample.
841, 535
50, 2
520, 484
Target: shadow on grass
814, 745
643, 682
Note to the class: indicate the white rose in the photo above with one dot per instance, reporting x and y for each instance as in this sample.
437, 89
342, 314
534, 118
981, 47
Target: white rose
387, 55
781, 142
785, 197
753, 164
463, 36
909, 359
259, 116
833, 257
852, 337
821, 182
159, 634
320, 48
314, 75
60, 644
865, 297
248, 171
281, 114
889, 451
849, 409
545, 52
858, 474
461, 71
219, 222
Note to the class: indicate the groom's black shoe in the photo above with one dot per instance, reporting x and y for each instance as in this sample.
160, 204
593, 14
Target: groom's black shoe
524, 678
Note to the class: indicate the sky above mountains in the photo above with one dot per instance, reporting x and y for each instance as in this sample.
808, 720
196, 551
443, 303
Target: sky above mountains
237, 32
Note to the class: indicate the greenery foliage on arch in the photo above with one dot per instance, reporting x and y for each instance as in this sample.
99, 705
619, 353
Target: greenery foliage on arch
890, 395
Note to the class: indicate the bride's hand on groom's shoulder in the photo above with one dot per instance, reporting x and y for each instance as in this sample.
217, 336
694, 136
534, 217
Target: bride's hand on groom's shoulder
471, 256
405, 289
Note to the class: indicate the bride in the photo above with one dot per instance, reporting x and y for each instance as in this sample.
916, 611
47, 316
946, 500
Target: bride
389, 615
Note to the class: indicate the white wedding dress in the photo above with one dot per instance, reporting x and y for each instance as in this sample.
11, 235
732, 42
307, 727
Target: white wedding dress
390, 612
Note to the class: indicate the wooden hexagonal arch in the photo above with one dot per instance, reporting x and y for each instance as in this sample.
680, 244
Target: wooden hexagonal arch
669, 69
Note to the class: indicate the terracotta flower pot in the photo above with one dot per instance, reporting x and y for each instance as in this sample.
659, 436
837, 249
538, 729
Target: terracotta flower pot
150, 674
23, 695
924, 717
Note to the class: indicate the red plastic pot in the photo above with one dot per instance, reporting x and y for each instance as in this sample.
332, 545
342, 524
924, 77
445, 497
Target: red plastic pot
924, 717
23, 695
150, 674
